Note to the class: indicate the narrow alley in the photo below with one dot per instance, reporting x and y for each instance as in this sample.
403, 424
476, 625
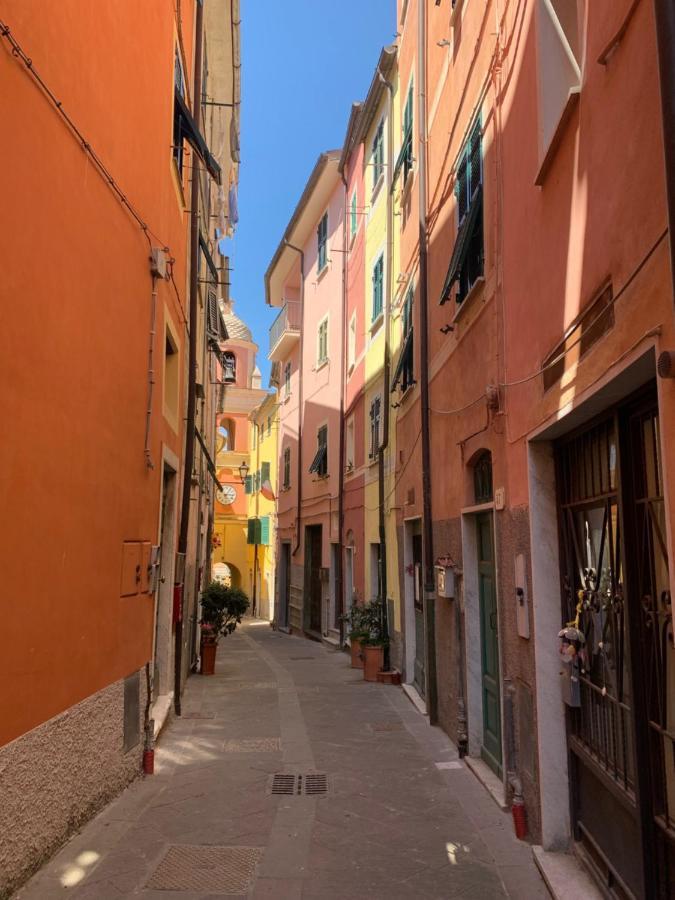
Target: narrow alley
402, 817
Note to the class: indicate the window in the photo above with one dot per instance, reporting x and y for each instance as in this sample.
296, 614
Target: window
378, 288
559, 75
349, 444
322, 243
403, 373
353, 221
248, 484
320, 461
466, 262
229, 368
179, 88
185, 128
405, 156
375, 437
322, 347
287, 468
378, 154
264, 472
287, 380
482, 478
171, 377
351, 343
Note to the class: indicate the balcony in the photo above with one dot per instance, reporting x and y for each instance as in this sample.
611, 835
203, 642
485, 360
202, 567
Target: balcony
285, 331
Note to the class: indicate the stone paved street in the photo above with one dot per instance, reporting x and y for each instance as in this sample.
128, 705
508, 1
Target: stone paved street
392, 825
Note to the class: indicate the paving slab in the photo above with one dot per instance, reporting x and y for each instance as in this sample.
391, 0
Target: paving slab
402, 818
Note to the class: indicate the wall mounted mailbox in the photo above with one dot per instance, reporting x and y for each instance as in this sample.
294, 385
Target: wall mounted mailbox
445, 582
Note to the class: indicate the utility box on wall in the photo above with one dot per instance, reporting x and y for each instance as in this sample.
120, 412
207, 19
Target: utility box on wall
445, 582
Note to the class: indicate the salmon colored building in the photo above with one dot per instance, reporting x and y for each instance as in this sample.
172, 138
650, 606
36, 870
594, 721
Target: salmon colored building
92, 483
542, 488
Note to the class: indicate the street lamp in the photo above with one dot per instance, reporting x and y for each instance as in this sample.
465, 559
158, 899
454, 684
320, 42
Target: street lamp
243, 471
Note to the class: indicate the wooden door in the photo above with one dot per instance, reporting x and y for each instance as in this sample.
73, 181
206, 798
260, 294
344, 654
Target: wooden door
491, 750
315, 589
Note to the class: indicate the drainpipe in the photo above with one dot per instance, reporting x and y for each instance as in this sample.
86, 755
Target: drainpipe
385, 369
339, 575
665, 35
427, 522
192, 357
300, 386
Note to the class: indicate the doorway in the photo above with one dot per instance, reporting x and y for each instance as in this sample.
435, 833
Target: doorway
163, 662
414, 606
615, 591
491, 747
313, 586
284, 585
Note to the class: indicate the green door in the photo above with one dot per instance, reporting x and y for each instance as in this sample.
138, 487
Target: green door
489, 644
420, 655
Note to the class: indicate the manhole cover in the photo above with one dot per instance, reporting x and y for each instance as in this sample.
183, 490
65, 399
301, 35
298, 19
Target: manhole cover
311, 785
252, 745
387, 726
221, 870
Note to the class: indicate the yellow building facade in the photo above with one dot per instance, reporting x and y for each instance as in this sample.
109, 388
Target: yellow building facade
261, 492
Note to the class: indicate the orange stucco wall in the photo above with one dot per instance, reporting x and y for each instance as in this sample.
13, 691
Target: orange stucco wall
74, 342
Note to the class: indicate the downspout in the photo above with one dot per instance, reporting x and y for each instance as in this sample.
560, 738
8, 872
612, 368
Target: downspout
300, 385
665, 35
151, 372
339, 575
427, 522
385, 370
192, 359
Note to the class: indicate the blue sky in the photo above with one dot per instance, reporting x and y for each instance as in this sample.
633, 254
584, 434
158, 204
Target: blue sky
303, 64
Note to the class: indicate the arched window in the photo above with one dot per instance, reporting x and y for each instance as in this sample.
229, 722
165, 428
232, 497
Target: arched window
482, 477
229, 367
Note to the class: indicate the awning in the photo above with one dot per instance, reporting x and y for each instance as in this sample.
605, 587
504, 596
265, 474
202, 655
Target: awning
406, 146
462, 243
209, 462
319, 459
402, 360
190, 131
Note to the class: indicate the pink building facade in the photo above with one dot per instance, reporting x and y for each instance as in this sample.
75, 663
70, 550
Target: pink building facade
304, 279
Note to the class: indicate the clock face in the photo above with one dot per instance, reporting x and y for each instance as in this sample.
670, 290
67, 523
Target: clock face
227, 495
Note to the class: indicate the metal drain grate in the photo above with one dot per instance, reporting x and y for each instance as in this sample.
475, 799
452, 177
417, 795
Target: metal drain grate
221, 870
283, 784
252, 745
314, 784
310, 785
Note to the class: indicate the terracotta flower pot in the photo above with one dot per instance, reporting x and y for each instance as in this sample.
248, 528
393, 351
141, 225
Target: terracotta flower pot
390, 677
208, 655
373, 662
357, 653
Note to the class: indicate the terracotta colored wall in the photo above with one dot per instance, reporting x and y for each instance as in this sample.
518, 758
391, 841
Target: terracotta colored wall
74, 343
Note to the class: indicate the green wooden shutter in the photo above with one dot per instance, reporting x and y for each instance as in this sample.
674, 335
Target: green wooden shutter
265, 530
250, 536
248, 485
265, 473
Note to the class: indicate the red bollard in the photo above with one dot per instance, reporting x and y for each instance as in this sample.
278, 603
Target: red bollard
519, 819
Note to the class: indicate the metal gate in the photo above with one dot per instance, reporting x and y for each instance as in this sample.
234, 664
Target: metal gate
620, 697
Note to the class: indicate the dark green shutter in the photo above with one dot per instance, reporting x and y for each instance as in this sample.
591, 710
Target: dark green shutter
248, 485
265, 475
250, 537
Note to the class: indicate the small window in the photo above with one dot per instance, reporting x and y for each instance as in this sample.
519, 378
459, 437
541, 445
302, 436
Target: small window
229, 367
265, 472
179, 88
482, 478
322, 243
322, 344
353, 219
404, 372
404, 161
375, 435
378, 288
378, 154
287, 380
320, 461
351, 343
287, 468
349, 445
171, 376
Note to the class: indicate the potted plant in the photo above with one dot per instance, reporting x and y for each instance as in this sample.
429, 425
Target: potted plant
356, 632
222, 609
374, 640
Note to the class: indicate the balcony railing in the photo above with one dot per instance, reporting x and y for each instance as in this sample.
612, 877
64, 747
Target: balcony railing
285, 330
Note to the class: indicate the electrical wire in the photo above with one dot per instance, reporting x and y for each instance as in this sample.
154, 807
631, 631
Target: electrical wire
18, 52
